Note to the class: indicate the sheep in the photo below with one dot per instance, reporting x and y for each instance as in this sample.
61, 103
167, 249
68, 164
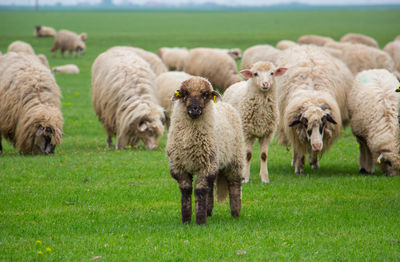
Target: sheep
21, 47
68, 41
359, 39
234, 53
44, 31
166, 84
205, 139
124, 100
285, 44
397, 38
311, 101
43, 59
66, 69
259, 53
30, 114
255, 99
373, 107
174, 57
219, 68
314, 40
393, 49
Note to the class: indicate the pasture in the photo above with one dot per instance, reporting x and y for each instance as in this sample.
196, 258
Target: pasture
89, 202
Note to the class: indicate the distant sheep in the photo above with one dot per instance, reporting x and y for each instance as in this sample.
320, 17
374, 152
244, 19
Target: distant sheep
66, 69
393, 49
259, 53
30, 114
359, 39
173, 58
312, 102
21, 47
124, 100
235, 53
373, 107
314, 40
219, 68
44, 31
205, 139
285, 44
68, 41
256, 101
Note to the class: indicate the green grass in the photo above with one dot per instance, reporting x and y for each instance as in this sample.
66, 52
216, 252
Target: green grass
88, 201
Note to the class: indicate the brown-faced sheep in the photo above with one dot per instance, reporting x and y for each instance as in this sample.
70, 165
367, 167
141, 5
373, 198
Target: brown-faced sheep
255, 99
124, 100
173, 58
314, 40
44, 31
311, 101
219, 68
205, 139
285, 44
393, 49
359, 39
68, 41
373, 107
30, 114
66, 69
259, 53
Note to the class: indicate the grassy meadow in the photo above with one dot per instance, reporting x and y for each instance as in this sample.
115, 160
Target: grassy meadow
88, 202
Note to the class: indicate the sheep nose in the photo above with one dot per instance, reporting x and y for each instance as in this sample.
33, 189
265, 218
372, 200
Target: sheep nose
152, 146
265, 84
195, 112
316, 147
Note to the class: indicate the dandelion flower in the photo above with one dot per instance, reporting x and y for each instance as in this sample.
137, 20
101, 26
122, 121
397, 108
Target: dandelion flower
48, 250
40, 253
38, 243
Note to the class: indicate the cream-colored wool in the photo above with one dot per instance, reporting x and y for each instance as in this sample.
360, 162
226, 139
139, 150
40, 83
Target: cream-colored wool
68, 41
234, 53
314, 40
314, 87
43, 59
123, 98
20, 47
285, 44
173, 58
219, 68
373, 107
30, 114
256, 101
66, 69
359, 39
44, 31
153, 60
259, 53
393, 49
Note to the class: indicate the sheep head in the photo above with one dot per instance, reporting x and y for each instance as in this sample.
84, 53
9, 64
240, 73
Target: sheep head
263, 74
46, 139
149, 129
389, 162
195, 94
235, 53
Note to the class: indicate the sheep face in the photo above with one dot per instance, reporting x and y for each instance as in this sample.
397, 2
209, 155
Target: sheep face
80, 47
44, 142
235, 53
389, 163
313, 122
149, 130
263, 74
195, 95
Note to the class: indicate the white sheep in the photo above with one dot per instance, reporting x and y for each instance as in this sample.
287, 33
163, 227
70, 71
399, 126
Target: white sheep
255, 99
123, 99
259, 53
68, 41
219, 68
314, 40
393, 49
21, 47
234, 53
311, 101
373, 107
285, 44
44, 31
359, 39
205, 139
173, 58
66, 69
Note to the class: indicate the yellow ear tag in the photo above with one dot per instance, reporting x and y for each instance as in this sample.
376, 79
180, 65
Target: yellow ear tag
379, 160
215, 97
177, 93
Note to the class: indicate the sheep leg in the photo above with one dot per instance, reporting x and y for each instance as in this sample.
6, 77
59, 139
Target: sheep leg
235, 196
294, 156
201, 194
62, 53
185, 181
264, 145
299, 163
1, 146
363, 159
313, 160
109, 141
210, 196
249, 151
370, 160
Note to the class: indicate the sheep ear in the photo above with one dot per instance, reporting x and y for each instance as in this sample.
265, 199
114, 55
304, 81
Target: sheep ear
142, 127
246, 73
280, 71
295, 121
216, 96
39, 132
329, 118
176, 95
398, 89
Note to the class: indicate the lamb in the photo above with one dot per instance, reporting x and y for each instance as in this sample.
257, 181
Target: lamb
255, 99
68, 41
124, 100
66, 69
314, 40
259, 53
30, 111
44, 31
393, 49
373, 108
219, 68
311, 102
21, 47
359, 39
173, 58
205, 138
166, 84
285, 44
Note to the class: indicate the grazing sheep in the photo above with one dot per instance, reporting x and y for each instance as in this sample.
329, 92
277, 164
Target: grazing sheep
30, 114
44, 31
314, 40
166, 84
21, 47
359, 39
312, 102
173, 58
66, 69
285, 44
205, 139
219, 68
393, 49
235, 53
259, 53
124, 100
255, 99
68, 41
373, 107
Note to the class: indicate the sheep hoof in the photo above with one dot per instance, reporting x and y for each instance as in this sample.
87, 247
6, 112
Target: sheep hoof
299, 171
363, 171
315, 166
245, 180
265, 181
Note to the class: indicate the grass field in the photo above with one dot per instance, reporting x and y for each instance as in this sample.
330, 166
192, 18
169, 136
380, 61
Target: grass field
89, 202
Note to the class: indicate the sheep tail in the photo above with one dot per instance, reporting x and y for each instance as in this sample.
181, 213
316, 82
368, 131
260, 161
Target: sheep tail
222, 188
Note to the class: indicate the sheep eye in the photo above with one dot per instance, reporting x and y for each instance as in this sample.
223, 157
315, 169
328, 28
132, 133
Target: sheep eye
272, 73
205, 96
255, 74
150, 133
309, 132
